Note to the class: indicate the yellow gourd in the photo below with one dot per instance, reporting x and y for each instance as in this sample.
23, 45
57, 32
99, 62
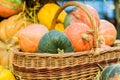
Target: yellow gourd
5, 74
9, 27
47, 13
59, 26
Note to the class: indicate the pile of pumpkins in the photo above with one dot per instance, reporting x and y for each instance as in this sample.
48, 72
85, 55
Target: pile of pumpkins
73, 31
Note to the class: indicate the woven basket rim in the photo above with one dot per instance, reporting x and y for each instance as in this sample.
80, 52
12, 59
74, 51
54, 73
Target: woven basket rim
83, 53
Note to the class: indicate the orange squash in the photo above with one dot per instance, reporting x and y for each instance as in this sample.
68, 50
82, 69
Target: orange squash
108, 32
80, 36
10, 7
79, 16
104, 46
30, 36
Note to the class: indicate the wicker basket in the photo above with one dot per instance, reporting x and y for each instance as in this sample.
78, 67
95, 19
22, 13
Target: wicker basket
71, 66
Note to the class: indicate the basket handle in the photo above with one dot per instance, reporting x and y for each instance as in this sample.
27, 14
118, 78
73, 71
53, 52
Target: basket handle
92, 20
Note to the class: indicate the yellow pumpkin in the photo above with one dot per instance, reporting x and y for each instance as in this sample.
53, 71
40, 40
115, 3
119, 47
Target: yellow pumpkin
9, 27
5, 74
59, 26
47, 13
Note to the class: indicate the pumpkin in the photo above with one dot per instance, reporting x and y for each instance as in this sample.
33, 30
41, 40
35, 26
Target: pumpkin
47, 13
59, 26
3, 54
55, 42
80, 36
108, 32
111, 72
29, 37
10, 7
6, 52
104, 46
78, 15
8, 39
6, 57
9, 27
6, 74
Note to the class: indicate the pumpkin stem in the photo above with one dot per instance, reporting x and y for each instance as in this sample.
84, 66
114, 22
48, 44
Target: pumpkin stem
77, 16
90, 32
85, 37
60, 51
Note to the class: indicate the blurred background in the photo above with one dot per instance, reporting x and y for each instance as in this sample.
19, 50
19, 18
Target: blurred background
107, 9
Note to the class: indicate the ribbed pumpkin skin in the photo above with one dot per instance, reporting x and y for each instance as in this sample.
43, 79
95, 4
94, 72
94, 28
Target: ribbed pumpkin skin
29, 37
74, 33
108, 32
111, 72
54, 40
10, 26
78, 15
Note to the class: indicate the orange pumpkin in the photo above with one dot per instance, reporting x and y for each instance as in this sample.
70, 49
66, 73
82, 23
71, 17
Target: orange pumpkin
10, 7
104, 46
78, 15
29, 37
95, 15
80, 36
108, 32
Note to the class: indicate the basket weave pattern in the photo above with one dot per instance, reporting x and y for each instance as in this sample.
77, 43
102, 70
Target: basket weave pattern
75, 66
68, 66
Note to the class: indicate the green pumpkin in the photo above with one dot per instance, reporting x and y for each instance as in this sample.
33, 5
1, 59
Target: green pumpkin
55, 42
68, 19
111, 72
